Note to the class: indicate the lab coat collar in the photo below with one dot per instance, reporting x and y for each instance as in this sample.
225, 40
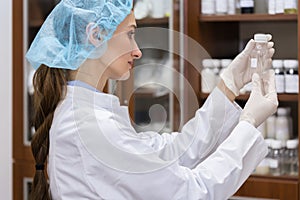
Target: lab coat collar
86, 96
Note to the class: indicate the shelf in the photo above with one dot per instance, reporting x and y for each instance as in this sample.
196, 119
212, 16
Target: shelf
248, 18
281, 97
152, 92
153, 21
279, 178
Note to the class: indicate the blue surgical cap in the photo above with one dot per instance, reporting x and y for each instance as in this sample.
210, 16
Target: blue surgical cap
62, 41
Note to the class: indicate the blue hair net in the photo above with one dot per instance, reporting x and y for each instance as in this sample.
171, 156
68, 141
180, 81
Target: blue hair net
62, 41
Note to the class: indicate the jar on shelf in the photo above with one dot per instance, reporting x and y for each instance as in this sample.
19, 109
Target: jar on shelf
290, 158
272, 7
208, 74
283, 125
247, 6
263, 167
290, 7
231, 7
276, 158
208, 7
279, 75
221, 7
291, 76
279, 6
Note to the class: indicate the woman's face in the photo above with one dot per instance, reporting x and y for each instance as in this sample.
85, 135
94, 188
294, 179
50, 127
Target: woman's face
122, 50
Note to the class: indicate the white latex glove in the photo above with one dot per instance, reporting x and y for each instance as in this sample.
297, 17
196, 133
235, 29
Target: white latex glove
259, 107
239, 72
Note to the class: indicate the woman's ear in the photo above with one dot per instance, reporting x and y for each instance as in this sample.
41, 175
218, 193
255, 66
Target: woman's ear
93, 34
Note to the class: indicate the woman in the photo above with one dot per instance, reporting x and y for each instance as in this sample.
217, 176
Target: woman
94, 152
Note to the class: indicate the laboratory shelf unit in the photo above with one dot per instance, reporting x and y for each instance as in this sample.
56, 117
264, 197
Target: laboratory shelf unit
223, 37
153, 21
247, 17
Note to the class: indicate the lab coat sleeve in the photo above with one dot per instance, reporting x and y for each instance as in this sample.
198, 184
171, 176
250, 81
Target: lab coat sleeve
224, 171
201, 135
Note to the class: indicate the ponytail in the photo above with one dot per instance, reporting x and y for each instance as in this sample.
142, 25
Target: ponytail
49, 89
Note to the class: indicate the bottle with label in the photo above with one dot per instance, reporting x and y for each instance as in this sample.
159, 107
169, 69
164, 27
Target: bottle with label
272, 7
290, 6
279, 6
247, 6
279, 75
290, 158
276, 158
208, 7
231, 7
291, 76
221, 6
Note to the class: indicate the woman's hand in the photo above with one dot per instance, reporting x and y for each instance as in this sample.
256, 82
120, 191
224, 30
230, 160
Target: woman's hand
263, 99
239, 72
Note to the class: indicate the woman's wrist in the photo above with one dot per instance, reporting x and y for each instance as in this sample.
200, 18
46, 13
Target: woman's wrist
226, 91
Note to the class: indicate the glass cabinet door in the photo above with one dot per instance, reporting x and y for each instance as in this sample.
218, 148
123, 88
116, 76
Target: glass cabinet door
152, 91
34, 14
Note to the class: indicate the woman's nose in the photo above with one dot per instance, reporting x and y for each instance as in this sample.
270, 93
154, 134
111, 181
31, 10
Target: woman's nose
136, 53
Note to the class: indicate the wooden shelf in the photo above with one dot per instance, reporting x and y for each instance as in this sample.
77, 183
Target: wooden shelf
153, 21
248, 17
281, 97
279, 178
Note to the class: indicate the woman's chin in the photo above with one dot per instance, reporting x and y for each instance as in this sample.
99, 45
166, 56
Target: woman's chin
124, 77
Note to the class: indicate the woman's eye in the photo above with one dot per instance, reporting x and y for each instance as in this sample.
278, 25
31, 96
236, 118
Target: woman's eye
131, 34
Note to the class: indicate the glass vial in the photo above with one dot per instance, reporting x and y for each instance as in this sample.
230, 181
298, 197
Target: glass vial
247, 6
279, 75
290, 6
276, 158
291, 76
208, 7
290, 158
261, 41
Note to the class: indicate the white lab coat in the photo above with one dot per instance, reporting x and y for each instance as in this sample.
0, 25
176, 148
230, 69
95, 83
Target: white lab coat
96, 154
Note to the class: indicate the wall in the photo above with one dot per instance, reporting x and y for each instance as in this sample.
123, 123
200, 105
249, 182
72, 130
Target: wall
6, 99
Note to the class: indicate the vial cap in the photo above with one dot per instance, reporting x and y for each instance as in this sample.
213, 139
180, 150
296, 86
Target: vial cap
269, 141
290, 63
283, 111
210, 63
292, 144
276, 144
277, 64
259, 37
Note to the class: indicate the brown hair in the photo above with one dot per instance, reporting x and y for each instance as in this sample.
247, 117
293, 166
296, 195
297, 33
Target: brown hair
49, 88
